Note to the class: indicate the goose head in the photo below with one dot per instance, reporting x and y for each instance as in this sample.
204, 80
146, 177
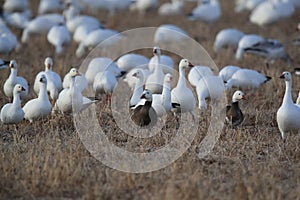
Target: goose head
168, 78
48, 63
185, 63
147, 94
238, 95
18, 89
43, 79
74, 72
287, 76
156, 51
13, 64
138, 74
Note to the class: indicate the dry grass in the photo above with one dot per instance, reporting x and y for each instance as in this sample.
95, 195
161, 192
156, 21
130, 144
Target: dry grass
46, 159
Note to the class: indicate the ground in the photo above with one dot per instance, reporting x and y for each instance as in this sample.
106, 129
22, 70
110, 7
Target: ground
47, 159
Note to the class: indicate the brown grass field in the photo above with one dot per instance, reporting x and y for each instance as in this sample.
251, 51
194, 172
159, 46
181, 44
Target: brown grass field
47, 160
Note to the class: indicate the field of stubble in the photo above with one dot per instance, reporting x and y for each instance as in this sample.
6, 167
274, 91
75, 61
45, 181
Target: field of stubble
47, 159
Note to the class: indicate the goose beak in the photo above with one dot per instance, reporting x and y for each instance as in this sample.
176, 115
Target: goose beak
78, 74
244, 97
281, 76
143, 96
23, 89
191, 65
41, 80
134, 74
48, 66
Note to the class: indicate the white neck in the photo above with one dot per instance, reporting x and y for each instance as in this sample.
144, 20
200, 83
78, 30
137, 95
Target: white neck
166, 93
288, 93
181, 80
157, 68
16, 101
43, 95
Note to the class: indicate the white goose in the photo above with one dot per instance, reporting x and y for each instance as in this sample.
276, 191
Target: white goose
229, 37
247, 79
130, 61
161, 103
49, 6
227, 72
15, 5
143, 5
13, 79
166, 62
12, 113
173, 8
155, 80
105, 83
246, 41
209, 11
39, 107
71, 97
182, 94
138, 88
168, 33
289, 113
59, 36
209, 87
132, 80
81, 82
82, 31
198, 72
8, 41
54, 83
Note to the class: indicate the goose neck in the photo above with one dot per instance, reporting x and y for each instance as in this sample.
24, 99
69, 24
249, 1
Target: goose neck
43, 95
16, 101
288, 92
181, 80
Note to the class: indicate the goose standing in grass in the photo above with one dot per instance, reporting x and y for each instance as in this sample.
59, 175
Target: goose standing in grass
209, 11
59, 36
81, 82
227, 72
198, 72
161, 103
227, 38
209, 87
39, 107
155, 80
166, 62
288, 114
13, 79
234, 115
144, 115
271, 50
182, 94
247, 79
12, 113
138, 88
105, 83
246, 41
54, 83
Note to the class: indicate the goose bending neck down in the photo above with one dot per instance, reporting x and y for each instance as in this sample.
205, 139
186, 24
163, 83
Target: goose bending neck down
289, 113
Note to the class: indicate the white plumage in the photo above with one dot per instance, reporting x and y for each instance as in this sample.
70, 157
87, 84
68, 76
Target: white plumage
227, 38
131, 61
104, 83
245, 42
59, 36
198, 72
227, 72
208, 12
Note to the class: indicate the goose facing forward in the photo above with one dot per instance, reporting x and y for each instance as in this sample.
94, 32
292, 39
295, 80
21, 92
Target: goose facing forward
289, 113
234, 115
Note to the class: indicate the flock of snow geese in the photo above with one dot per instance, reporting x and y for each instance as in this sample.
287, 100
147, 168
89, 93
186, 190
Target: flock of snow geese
149, 78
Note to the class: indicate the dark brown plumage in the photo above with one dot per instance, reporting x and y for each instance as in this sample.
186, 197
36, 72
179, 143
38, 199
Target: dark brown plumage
234, 115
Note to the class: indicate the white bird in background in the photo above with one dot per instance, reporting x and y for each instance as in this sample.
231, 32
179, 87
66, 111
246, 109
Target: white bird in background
289, 113
59, 36
247, 79
161, 103
209, 11
246, 5
209, 87
49, 6
8, 40
227, 38
175, 7
169, 33
198, 72
270, 49
18, 20
245, 42
130, 61
13, 79
82, 31
12, 113
81, 82
16, 5
166, 62
104, 83
39, 107
143, 5
138, 87
227, 72
182, 94
132, 80
54, 83
155, 80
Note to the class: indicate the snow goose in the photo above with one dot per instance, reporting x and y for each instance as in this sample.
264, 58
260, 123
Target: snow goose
49, 6
227, 72
96, 37
54, 83
132, 80
229, 37
209, 11
247, 79
209, 87
169, 33
59, 36
246, 5
161, 103
71, 98
173, 8
270, 49
166, 62
17, 19
101, 64
198, 72
182, 94
82, 31
144, 115
155, 80
12, 113
8, 41
138, 88
41, 24
13, 79
105, 83
143, 5
289, 113
39, 107
234, 115
130, 61
247, 41
16, 5
81, 82
74, 21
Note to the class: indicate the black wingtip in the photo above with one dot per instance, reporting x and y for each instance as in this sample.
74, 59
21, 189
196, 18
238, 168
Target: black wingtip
175, 105
268, 78
297, 71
